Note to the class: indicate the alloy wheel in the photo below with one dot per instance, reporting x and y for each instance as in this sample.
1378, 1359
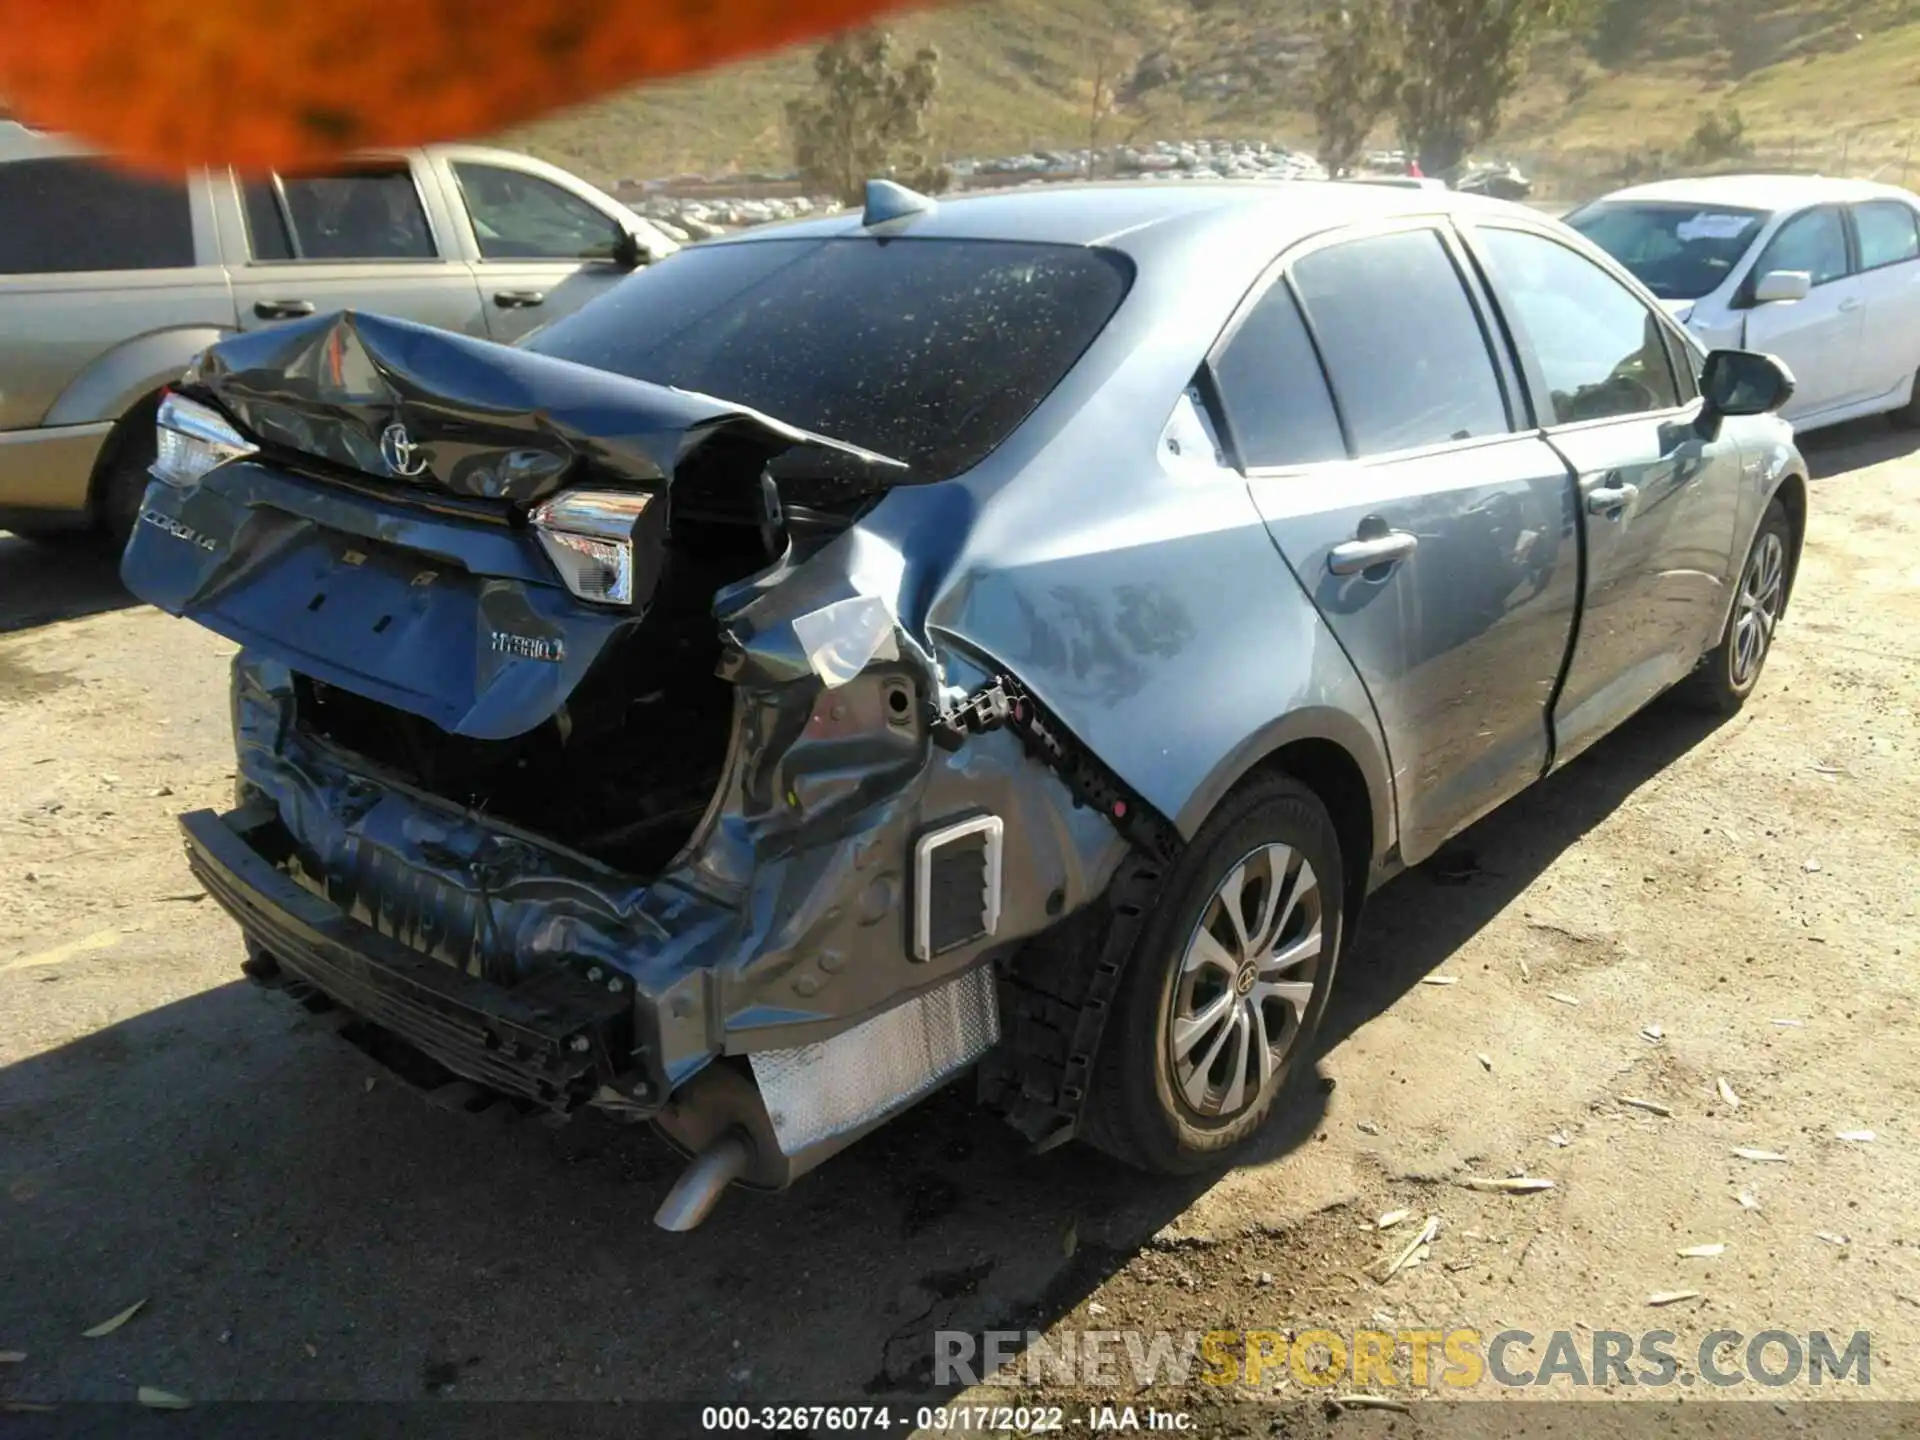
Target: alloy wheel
1758, 608
1245, 983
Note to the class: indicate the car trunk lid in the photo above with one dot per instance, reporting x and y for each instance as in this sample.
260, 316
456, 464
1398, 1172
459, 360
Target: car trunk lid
379, 540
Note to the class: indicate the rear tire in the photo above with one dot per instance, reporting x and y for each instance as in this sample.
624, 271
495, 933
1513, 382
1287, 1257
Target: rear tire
1729, 672
1223, 994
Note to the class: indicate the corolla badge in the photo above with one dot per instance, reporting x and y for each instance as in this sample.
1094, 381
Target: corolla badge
402, 455
179, 531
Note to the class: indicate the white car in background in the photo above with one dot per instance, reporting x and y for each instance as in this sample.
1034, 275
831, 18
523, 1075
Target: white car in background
1824, 274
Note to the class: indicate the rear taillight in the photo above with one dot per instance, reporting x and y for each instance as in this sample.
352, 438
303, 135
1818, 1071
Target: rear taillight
588, 535
192, 439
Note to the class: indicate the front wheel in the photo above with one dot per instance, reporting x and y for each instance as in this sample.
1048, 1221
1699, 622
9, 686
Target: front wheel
1729, 672
1223, 993
121, 483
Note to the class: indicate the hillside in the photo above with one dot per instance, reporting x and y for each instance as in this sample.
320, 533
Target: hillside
1015, 74
1831, 84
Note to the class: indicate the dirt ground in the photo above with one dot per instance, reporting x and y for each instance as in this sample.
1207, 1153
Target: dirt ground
301, 1230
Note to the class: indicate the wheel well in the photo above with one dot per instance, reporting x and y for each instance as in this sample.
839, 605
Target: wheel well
1332, 774
140, 416
1792, 496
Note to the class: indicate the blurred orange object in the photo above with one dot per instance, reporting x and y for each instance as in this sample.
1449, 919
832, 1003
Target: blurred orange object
169, 84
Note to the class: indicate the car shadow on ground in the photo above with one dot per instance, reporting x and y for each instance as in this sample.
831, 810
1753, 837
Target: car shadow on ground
63, 579
300, 1230
1857, 445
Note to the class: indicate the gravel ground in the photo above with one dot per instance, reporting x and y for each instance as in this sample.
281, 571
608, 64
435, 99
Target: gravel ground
301, 1229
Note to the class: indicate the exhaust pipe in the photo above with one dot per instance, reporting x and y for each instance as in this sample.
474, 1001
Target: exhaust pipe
701, 1184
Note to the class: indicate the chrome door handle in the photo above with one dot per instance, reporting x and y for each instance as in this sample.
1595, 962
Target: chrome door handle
1609, 498
1357, 555
282, 309
518, 299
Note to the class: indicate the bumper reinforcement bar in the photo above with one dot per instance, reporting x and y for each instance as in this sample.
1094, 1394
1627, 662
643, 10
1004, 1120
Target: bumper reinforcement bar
548, 1040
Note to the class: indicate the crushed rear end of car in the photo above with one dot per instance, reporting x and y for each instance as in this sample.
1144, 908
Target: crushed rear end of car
580, 758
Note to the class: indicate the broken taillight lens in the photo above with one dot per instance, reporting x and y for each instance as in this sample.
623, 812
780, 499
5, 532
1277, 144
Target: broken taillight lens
588, 535
190, 439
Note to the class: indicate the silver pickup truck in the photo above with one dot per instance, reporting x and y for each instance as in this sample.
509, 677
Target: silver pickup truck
110, 284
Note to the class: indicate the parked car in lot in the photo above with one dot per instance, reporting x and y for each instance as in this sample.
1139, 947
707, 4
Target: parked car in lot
1017, 632
111, 284
1823, 273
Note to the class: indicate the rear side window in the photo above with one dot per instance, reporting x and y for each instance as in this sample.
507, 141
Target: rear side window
930, 351
1886, 232
1273, 391
62, 216
1402, 344
1600, 348
356, 215
1814, 241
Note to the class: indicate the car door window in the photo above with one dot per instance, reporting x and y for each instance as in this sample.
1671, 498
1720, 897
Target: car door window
64, 216
517, 216
1814, 241
1601, 350
370, 214
1403, 346
1887, 233
1272, 389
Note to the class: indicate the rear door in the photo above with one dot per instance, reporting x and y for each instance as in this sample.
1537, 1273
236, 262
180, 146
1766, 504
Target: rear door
1818, 337
365, 237
1887, 238
1657, 500
1379, 427
543, 248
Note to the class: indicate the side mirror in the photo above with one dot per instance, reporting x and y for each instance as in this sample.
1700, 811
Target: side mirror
1743, 382
629, 251
1782, 285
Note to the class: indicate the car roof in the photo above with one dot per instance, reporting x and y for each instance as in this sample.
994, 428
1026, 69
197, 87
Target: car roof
20, 142
1761, 192
1123, 213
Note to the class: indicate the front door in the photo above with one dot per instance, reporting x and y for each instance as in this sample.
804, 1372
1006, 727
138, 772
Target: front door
1439, 545
1819, 336
355, 239
1657, 500
544, 250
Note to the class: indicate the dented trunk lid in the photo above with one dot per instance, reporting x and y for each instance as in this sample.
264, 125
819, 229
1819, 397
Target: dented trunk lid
379, 540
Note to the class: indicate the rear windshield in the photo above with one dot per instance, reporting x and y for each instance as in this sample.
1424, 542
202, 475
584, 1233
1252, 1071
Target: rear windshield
930, 351
1679, 252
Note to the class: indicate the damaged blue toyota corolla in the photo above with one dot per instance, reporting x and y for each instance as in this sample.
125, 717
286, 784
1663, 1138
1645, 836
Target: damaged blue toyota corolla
1073, 604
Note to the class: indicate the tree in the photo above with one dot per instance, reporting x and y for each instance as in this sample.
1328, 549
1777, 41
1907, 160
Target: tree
1460, 62
1111, 68
866, 118
1353, 83
1720, 135
1444, 69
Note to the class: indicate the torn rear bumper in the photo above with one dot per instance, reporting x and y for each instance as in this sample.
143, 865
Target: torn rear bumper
549, 1041
556, 1042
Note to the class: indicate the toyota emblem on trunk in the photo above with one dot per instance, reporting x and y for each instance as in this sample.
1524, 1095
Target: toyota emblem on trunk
403, 457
